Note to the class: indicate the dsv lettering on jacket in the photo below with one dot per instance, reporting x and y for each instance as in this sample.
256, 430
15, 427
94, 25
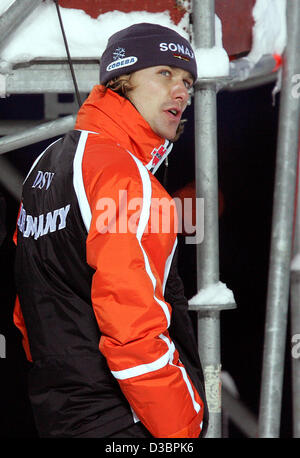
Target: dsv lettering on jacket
43, 179
37, 226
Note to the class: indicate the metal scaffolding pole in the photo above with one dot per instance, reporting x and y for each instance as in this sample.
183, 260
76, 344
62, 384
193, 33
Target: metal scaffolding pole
281, 237
37, 134
14, 15
295, 318
207, 188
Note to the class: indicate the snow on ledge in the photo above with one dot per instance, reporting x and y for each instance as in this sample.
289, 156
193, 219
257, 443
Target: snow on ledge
213, 62
217, 294
39, 36
269, 33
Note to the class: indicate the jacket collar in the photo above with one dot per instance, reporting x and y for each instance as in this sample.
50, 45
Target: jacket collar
108, 113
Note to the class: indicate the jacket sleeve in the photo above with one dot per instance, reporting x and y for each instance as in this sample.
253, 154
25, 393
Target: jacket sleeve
131, 312
182, 333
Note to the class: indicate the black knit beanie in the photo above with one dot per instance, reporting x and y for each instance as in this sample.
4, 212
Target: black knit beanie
145, 45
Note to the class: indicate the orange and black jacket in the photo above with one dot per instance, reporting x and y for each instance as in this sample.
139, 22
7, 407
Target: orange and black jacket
100, 303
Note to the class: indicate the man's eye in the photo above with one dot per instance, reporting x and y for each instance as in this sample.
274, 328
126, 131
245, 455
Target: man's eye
187, 84
165, 72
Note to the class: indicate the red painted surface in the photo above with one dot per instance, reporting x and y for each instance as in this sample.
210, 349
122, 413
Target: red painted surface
237, 23
236, 16
96, 7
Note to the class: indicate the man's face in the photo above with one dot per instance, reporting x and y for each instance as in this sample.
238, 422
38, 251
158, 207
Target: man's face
161, 94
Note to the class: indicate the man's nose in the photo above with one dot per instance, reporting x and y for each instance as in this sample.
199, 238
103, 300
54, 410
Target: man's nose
179, 91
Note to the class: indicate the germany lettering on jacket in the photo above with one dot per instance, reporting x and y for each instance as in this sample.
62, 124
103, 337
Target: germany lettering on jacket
37, 226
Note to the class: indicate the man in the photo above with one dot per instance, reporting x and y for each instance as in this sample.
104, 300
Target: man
101, 306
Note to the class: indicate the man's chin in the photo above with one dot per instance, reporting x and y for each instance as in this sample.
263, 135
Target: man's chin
172, 139
168, 134
171, 136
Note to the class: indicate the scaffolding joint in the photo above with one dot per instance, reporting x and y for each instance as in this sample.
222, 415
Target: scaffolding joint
5, 70
211, 308
3, 86
216, 82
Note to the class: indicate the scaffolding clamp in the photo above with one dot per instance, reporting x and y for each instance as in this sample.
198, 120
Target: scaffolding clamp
217, 81
3, 85
212, 307
5, 69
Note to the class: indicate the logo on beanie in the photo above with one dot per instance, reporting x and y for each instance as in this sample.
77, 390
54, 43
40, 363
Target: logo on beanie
119, 53
120, 63
180, 50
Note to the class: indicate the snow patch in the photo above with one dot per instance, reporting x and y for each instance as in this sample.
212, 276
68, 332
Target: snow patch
217, 293
269, 30
39, 36
212, 62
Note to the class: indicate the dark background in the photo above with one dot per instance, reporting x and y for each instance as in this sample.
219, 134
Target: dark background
247, 134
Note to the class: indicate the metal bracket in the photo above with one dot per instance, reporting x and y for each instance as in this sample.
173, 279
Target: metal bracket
3, 86
212, 307
38, 77
218, 81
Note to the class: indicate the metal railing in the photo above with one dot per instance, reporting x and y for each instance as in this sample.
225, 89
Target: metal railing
282, 234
